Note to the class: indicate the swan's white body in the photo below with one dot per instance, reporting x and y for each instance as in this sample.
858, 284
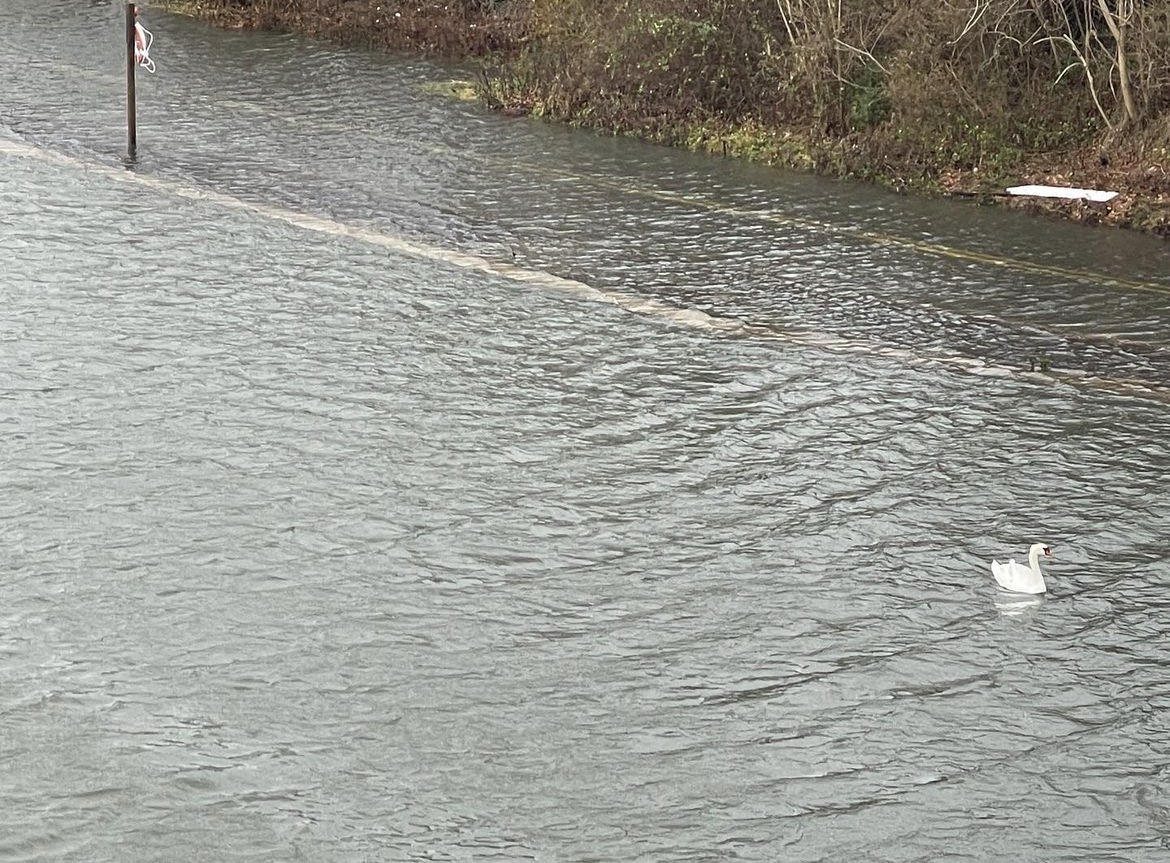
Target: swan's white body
1019, 578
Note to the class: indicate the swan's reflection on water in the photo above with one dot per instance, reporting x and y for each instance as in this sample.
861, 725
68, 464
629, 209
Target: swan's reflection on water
1015, 604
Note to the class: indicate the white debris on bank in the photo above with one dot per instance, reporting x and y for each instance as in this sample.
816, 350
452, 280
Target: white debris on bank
1063, 192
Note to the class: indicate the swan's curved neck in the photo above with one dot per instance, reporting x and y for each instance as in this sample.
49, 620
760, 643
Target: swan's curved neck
1034, 560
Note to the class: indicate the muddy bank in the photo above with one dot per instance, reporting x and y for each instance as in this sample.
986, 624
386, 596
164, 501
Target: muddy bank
1138, 171
458, 29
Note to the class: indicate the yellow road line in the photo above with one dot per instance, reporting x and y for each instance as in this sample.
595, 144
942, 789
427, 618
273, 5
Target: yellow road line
926, 248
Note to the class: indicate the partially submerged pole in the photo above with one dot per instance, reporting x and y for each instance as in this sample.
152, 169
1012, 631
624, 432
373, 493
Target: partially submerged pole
131, 110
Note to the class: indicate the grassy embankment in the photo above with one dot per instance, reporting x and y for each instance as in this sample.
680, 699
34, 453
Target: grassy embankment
963, 96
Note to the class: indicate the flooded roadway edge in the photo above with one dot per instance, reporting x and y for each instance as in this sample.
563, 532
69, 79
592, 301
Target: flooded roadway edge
636, 304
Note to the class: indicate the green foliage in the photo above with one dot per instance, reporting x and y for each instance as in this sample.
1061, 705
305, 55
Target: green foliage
869, 104
927, 84
648, 64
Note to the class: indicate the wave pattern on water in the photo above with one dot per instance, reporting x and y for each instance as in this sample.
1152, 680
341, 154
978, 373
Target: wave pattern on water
330, 531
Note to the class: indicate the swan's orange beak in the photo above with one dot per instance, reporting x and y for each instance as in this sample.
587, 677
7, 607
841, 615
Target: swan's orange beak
1048, 551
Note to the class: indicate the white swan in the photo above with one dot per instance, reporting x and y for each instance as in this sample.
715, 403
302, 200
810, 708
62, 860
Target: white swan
1019, 578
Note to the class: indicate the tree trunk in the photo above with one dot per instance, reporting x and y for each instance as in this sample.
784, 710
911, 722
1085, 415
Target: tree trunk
1118, 22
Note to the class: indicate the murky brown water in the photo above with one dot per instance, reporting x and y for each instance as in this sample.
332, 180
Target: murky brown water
387, 480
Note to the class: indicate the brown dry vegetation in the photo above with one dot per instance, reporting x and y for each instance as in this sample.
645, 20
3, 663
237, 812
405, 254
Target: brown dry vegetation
960, 96
458, 28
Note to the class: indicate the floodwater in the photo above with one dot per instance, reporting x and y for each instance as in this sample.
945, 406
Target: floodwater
383, 479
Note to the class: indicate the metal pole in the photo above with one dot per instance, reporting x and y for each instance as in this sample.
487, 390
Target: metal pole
131, 111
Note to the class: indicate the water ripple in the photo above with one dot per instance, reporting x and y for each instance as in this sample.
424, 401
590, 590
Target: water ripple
388, 480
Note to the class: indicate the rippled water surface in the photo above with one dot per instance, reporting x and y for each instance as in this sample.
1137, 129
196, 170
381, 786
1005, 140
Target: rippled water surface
384, 480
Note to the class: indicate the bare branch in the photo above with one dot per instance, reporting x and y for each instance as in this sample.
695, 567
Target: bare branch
1083, 62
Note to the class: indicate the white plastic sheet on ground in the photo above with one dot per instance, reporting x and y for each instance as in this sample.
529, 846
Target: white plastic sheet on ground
1063, 192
